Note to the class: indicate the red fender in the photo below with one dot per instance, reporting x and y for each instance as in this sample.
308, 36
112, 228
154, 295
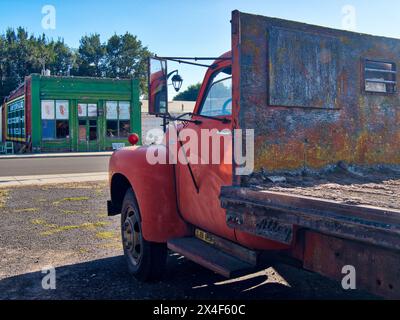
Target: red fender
154, 188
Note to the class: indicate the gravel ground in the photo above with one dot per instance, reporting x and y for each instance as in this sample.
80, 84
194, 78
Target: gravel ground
66, 226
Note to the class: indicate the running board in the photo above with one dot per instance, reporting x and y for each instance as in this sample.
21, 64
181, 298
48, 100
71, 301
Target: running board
210, 257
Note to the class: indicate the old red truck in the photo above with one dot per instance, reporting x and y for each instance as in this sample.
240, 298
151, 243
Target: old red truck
322, 183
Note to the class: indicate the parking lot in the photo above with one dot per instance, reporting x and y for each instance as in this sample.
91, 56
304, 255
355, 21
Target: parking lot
66, 227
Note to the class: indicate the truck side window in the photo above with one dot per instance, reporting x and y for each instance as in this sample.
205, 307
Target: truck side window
380, 77
218, 101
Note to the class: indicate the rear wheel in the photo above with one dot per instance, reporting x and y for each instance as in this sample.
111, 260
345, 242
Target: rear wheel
146, 260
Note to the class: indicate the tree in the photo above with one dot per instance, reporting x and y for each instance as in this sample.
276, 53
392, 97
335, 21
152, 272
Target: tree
126, 58
22, 54
42, 54
3, 72
190, 94
90, 58
63, 60
17, 59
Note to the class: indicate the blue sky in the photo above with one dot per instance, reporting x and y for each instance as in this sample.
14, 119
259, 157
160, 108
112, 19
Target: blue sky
191, 27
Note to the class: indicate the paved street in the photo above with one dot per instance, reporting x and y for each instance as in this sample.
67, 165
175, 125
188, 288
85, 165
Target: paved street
56, 165
66, 226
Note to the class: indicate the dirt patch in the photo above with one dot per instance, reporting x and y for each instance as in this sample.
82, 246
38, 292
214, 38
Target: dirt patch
3, 197
70, 199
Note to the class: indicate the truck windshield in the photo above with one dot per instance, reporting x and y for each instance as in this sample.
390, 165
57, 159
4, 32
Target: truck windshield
218, 101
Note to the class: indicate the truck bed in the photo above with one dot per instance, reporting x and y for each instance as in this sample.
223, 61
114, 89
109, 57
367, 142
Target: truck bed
350, 203
363, 187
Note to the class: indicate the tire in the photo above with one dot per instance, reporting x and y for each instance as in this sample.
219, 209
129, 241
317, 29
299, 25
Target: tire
146, 260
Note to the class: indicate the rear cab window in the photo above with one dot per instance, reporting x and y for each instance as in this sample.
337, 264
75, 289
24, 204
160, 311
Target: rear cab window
218, 100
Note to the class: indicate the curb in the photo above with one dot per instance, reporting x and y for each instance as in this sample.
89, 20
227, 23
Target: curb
57, 155
15, 181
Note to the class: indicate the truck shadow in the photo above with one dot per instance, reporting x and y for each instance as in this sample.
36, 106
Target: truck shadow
108, 279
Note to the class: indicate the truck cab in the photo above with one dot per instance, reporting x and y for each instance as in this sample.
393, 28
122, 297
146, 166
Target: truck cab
165, 202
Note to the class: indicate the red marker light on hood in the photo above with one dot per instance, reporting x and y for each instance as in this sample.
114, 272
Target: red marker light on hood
133, 139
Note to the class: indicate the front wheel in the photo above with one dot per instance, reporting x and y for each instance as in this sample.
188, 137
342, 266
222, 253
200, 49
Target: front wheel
146, 260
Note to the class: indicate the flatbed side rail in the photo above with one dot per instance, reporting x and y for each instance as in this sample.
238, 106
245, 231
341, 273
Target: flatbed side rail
274, 215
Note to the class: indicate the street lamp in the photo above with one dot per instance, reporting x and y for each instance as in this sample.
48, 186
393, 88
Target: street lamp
176, 80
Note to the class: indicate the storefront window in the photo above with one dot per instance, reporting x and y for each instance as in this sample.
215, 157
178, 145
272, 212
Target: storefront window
62, 110
92, 110
87, 110
124, 128
112, 128
55, 119
118, 119
62, 129
92, 130
82, 110
48, 129
124, 113
82, 130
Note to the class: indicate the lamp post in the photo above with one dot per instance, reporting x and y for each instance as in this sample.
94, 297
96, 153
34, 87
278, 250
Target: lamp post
176, 80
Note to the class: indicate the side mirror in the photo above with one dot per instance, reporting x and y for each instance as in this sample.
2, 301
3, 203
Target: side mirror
158, 87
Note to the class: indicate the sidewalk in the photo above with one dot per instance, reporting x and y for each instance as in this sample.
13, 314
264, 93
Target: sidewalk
56, 155
16, 181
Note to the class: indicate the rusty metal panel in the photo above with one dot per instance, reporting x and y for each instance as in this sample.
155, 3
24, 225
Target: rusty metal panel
377, 269
345, 124
304, 69
266, 226
250, 210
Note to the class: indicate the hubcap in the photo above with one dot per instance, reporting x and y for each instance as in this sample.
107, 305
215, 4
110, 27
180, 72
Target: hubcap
132, 238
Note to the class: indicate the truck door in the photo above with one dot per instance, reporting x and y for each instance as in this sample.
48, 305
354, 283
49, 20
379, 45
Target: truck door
202, 207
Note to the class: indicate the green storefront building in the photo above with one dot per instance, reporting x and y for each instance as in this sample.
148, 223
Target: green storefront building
62, 114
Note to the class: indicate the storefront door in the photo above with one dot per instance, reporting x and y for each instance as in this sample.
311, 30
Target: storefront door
88, 127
